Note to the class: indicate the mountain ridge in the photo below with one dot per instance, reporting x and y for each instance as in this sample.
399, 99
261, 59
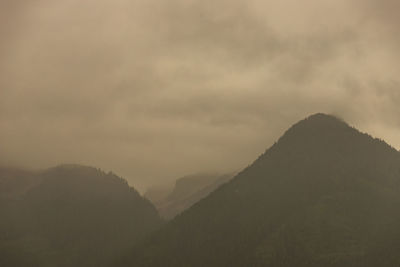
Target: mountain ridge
320, 168
72, 215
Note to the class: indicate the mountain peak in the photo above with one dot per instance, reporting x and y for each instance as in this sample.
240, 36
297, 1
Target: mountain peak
318, 126
322, 135
322, 120
322, 116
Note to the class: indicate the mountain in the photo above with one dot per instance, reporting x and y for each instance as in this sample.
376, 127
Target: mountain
70, 215
187, 191
323, 195
14, 182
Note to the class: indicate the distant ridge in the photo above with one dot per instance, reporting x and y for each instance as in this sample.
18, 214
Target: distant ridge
187, 191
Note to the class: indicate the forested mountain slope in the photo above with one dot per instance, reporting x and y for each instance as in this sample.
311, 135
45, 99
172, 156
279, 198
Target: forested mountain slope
70, 215
323, 195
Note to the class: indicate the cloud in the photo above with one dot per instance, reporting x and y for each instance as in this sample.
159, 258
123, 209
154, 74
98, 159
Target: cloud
154, 90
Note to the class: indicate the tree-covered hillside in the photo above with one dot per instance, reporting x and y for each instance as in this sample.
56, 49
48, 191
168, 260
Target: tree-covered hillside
323, 195
70, 215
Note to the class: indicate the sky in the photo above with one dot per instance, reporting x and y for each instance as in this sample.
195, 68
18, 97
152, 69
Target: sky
154, 90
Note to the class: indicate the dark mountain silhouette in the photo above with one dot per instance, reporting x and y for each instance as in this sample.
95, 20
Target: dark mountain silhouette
70, 215
323, 195
14, 182
187, 191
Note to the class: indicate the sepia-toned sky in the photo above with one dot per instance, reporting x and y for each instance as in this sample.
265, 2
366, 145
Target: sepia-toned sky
154, 89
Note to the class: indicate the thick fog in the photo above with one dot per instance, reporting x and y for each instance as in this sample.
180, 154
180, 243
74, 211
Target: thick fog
154, 90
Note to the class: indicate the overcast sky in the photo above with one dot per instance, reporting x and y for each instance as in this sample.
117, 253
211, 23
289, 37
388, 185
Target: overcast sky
154, 89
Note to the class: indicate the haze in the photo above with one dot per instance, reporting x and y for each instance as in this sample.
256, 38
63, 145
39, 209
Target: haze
154, 90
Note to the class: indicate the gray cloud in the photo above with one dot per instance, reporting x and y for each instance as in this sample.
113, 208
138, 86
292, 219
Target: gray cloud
154, 90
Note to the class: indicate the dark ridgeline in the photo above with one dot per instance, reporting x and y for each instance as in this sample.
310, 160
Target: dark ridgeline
323, 195
69, 215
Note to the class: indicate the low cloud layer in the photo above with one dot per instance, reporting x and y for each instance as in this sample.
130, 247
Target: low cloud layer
154, 90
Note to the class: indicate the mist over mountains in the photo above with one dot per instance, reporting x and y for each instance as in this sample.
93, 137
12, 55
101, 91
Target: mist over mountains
324, 194
123, 84
187, 191
207, 105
